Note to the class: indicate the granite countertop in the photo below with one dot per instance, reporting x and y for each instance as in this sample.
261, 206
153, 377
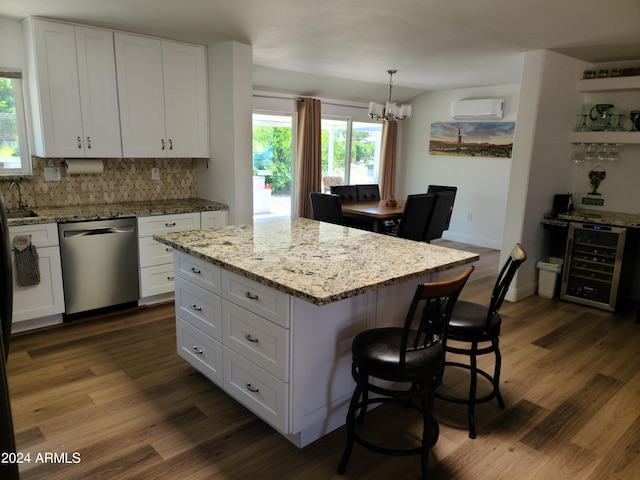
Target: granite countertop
317, 262
629, 220
76, 213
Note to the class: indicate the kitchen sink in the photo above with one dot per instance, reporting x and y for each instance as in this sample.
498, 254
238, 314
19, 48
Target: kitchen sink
22, 214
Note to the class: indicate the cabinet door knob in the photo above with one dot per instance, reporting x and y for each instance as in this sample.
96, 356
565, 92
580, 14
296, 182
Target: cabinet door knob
251, 339
196, 270
196, 307
79, 142
251, 296
168, 249
197, 350
171, 278
253, 389
170, 144
89, 142
162, 141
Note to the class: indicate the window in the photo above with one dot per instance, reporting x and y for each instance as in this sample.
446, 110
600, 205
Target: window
14, 150
350, 151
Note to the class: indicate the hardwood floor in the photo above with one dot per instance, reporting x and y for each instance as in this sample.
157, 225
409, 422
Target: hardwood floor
113, 389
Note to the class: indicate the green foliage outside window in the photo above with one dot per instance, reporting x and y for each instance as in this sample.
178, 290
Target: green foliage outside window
8, 127
272, 153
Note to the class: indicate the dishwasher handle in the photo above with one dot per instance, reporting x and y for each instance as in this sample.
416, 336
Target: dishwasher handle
97, 231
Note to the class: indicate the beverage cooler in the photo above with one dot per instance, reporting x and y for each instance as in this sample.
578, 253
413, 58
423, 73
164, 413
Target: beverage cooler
593, 263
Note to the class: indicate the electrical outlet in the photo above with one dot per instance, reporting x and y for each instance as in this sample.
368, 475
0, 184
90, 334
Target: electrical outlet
52, 174
155, 173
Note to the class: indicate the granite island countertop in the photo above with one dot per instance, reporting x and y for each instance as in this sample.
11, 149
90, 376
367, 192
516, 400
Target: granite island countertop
315, 261
77, 213
617, 219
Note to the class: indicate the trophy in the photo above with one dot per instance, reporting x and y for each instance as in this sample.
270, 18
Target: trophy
596, 176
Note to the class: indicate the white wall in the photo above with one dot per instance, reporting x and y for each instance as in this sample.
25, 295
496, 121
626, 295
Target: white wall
478, 215
227, 175
11, 44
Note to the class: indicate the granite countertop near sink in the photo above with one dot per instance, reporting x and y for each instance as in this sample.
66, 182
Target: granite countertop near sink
315, 261
617, 219
76, 213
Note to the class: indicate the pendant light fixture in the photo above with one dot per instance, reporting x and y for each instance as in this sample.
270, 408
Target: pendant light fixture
390, 110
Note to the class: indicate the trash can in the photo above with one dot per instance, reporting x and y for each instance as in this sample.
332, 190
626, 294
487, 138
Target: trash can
548, 272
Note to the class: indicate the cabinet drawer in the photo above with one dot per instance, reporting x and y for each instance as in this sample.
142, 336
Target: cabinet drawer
261, 341
148, 226
194, 270
42, 235
256, 389
256, 297
213, 219
154, 253
156, 280
200, 350
200, 308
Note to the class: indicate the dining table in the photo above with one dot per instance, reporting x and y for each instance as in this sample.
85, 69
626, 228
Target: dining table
377, 211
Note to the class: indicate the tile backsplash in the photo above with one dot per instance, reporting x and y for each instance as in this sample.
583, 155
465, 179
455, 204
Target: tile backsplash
123, 180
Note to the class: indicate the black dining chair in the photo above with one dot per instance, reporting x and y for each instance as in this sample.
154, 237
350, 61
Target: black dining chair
441, 188
472, 325
326, 207
441, 215
347, 193
368, 193
416, 216
412, 358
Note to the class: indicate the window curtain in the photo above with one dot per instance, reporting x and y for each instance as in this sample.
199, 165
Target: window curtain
309, 157
388, 158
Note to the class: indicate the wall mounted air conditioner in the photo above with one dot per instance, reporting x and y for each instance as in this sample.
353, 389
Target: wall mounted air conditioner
483, 109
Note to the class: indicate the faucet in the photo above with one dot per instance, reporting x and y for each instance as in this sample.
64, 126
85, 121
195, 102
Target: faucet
21, 205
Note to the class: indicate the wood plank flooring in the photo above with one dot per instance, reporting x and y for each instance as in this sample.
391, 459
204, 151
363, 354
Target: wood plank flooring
113, 389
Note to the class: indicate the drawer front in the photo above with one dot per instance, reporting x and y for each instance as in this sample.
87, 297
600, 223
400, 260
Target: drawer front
199, 272
42, 235
148, 226
154, 253
200, 350
213, 219
259, 391
261, 341
200, 308
257, 298
156, 280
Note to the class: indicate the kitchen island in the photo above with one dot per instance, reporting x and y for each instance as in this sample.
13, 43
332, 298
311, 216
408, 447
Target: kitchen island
268, 311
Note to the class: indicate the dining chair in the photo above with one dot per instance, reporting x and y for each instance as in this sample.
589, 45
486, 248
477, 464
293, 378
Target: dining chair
368, 193
416, 215
347, 193
472, 325
411, 357
326, 207
441, 216
441, 188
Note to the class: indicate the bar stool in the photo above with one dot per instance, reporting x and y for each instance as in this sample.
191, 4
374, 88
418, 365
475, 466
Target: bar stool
412, 357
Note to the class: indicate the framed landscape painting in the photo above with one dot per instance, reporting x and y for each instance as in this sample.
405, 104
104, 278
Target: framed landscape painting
479, 139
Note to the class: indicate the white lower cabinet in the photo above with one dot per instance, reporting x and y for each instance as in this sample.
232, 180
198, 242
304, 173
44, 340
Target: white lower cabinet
283, 358
41, 304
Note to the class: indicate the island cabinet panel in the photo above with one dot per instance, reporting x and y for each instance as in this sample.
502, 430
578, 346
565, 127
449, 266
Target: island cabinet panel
202, 309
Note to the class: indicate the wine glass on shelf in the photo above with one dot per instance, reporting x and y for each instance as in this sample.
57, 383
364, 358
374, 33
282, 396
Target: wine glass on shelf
577, 153
619, 127
591, 154
584, 127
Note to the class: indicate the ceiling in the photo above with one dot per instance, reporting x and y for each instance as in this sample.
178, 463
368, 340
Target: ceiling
342, 48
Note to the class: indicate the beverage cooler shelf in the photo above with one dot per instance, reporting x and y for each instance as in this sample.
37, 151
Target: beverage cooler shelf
593, 265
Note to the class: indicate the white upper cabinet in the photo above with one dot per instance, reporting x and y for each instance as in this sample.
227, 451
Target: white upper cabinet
163, 97
72, 85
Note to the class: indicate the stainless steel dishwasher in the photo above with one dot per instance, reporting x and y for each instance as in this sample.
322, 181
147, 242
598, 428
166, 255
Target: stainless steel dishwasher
99, 263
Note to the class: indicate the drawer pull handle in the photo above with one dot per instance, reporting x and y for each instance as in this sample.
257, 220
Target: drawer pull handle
170, 224
168, 249
196, 270
195, 307
251, 296
197, 350
253, 389
171, 279
251, 339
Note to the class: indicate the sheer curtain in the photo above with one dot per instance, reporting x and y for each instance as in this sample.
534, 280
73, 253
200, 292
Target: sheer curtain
388, 159
309, 158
